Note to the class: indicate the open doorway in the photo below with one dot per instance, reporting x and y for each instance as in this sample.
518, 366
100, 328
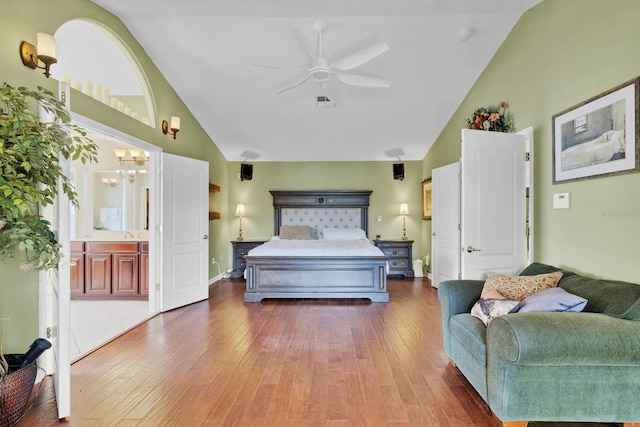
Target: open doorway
112, 246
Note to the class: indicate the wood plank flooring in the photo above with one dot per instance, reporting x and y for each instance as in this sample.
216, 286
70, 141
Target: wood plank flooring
222, 362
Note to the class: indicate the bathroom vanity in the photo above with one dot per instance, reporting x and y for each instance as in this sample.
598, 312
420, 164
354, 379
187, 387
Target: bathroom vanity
115, 269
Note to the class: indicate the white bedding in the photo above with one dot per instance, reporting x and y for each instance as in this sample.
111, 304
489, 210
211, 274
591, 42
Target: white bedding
319, 248
599, 150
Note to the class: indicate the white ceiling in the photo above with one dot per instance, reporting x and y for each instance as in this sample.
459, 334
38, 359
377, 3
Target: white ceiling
207, 50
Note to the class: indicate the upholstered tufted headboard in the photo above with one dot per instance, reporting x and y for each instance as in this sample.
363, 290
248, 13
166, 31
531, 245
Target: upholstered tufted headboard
321, 209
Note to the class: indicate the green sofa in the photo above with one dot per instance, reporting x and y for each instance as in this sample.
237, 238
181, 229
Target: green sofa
550, 366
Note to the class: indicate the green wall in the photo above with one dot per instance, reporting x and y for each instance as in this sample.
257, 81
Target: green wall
21, 20
377, 176
561, 53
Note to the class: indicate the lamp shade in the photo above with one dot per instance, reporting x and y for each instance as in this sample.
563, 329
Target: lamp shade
175, 123
120, 152
46, 45
240, 211
404, 209
135, 152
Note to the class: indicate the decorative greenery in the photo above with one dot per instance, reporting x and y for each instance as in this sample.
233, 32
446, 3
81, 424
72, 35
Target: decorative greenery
496, 119
31, 175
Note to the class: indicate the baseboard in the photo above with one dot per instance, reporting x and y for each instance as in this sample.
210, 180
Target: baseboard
216, 278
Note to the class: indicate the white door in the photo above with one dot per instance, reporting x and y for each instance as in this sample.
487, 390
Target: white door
55, 294
493, 208
185, 248
445, 221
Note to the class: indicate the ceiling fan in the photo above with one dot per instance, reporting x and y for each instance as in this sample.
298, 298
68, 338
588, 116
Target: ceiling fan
322, 71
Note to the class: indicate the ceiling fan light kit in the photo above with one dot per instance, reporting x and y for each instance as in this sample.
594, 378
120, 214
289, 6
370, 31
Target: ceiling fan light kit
322, 71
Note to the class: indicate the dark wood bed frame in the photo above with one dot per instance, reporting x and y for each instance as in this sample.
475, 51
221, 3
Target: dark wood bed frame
317, 277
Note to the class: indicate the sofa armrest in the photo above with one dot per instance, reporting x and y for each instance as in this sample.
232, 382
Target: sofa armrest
456, 296
546, 338
564, 367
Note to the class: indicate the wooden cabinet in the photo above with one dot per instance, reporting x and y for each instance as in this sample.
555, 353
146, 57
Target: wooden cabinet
126, 274
240, 249
76, 268
97, 274
400, 256
111, 270
144, 268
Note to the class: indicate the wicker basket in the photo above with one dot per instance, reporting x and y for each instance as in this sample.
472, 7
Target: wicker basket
15, 389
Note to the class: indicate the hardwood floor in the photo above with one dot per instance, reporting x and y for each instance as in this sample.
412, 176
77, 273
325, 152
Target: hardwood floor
222, 362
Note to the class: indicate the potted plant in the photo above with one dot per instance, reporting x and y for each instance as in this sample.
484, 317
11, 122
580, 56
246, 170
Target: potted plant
29, 153
30, 150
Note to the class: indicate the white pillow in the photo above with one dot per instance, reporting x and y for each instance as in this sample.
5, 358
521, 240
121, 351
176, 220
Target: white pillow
344, 234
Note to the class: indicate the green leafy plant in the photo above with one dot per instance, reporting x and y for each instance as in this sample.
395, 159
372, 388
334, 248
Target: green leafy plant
492, 118
31, 177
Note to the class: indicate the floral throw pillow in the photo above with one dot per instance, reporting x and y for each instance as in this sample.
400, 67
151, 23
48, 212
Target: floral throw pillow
520, 287
492, 305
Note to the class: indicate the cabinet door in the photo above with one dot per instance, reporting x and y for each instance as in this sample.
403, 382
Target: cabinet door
77, 274
144, 274
98, 274
125, 274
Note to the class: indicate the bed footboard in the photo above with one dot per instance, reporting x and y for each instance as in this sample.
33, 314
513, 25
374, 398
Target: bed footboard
316, 277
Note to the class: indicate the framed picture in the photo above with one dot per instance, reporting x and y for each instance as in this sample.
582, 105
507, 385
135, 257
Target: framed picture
426, 199
599, 137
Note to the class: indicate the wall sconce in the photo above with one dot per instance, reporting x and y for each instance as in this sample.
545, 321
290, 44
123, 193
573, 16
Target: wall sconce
45, 53
175, 126
137, 156
109, 182
404, 211
240, 212
130, 174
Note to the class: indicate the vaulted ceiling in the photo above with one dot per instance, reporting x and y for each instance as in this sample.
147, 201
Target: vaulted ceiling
211, 52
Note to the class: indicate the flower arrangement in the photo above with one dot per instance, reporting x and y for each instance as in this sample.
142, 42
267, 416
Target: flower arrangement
493, 118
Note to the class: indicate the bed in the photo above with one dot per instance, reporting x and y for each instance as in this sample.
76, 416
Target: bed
316, 273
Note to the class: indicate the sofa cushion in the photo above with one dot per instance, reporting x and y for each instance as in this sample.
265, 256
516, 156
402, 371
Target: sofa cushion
611, 297
472, 333
538, 268
520, 287
554, 299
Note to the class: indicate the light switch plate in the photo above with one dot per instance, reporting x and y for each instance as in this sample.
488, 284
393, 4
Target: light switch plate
561, 201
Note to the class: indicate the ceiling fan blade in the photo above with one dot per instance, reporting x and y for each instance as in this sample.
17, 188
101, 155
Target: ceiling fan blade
306, 47
293, 85
355, 80
359, 58
280, 68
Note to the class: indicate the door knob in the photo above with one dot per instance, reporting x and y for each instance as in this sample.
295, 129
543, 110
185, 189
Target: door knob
433, 234
472, 249
205, 237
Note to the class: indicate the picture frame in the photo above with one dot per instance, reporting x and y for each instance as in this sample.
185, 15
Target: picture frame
599, 137
426, 199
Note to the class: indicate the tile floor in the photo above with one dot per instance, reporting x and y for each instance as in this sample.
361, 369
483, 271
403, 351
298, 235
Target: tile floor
94, 323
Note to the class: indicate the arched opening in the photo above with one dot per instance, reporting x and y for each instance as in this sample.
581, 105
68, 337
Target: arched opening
95, 61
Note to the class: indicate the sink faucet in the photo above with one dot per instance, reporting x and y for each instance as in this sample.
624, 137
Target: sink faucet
128, 234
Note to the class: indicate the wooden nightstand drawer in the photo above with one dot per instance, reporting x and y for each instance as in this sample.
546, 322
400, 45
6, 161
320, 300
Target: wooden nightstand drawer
396, 252
399, 253
240, 249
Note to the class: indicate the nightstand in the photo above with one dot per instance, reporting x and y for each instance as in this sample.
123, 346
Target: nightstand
399, 253
240, 249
